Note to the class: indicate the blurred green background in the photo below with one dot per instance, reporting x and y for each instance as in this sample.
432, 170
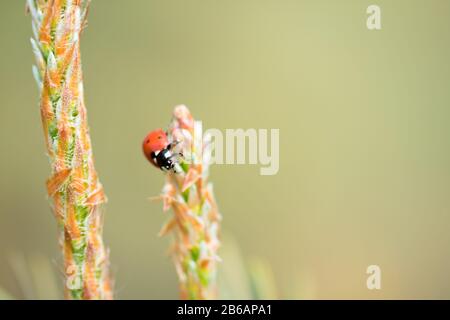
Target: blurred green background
364, 140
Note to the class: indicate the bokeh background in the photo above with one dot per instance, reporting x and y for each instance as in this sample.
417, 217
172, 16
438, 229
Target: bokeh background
364, 142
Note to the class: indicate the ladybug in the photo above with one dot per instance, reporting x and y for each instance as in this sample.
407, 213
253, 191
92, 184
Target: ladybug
159, 151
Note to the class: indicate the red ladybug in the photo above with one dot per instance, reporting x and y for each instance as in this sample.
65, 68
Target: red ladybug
159, 151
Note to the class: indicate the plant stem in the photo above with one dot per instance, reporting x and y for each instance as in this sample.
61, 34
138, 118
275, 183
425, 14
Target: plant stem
196, 217
74, 186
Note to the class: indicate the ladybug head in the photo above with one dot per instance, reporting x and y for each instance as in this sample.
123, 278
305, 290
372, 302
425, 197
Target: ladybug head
155, 141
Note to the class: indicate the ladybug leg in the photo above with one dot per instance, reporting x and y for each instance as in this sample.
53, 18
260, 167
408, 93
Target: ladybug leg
172, 145
178, 154
174, 168
173, 163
